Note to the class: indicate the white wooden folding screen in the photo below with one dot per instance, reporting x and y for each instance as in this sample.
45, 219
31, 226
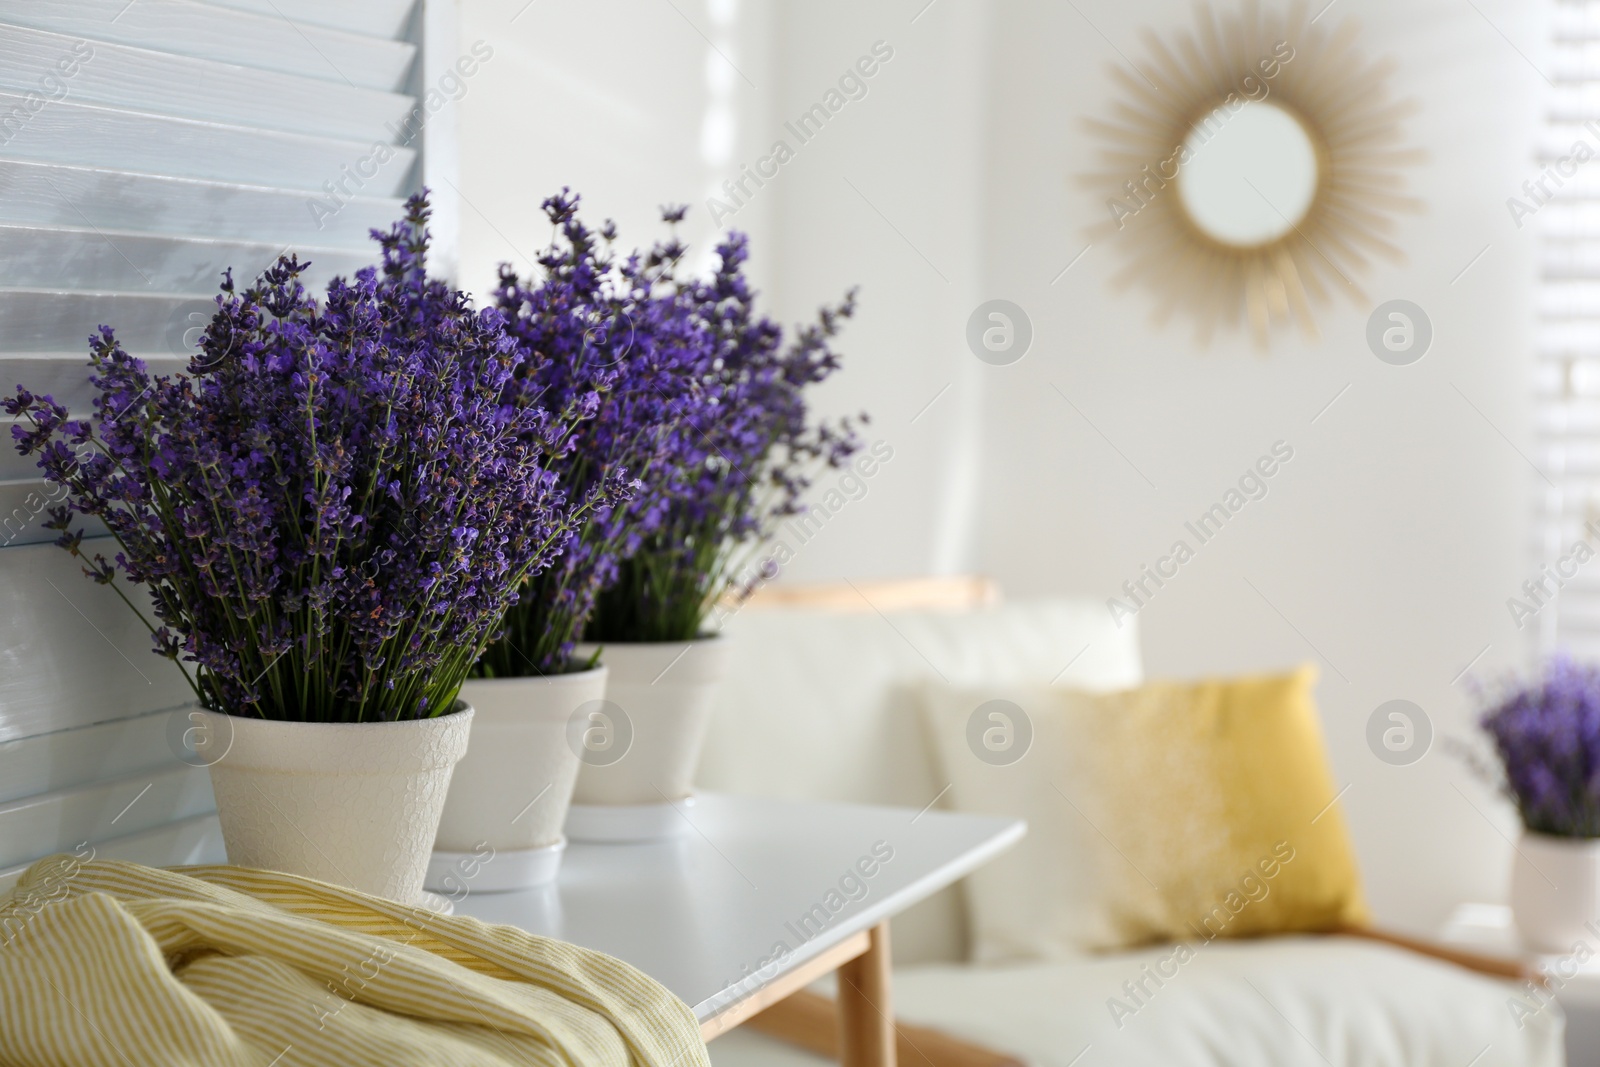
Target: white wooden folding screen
144, 148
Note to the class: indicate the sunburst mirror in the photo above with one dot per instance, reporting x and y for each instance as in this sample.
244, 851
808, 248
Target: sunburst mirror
1251, 170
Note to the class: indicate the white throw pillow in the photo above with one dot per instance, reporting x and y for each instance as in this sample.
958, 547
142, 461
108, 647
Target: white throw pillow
1040, 899
823, 705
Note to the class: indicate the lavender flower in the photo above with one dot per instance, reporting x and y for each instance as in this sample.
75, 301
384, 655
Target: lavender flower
602, 344
748, 452
1548, 740
333, 509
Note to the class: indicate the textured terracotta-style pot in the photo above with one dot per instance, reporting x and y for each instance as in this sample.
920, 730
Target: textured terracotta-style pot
356, 804
502, 822
658, 706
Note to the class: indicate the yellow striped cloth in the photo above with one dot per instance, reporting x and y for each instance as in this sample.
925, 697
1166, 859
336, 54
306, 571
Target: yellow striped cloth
111, 963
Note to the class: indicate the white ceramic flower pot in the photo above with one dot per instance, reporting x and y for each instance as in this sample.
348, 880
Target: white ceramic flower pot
1555, 891
508, 800
639, 759
356, 804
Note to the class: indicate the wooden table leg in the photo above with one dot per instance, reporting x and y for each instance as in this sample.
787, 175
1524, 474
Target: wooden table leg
866, 1013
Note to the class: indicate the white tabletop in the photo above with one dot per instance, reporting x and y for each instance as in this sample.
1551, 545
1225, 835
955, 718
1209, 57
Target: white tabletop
1490, 928
705, 913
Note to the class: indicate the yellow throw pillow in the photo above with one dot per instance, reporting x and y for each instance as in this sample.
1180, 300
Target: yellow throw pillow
1171, 812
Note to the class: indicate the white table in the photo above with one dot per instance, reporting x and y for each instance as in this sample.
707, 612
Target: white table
753, 902
1490, 928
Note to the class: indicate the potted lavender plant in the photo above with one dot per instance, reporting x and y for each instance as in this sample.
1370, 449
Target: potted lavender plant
601, 344
1548, 739
330, 512
747, 461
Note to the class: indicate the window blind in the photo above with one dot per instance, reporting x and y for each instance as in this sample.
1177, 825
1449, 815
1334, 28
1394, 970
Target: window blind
1560, 603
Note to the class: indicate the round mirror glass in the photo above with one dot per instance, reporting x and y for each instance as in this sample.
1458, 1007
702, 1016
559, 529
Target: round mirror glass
1250, 176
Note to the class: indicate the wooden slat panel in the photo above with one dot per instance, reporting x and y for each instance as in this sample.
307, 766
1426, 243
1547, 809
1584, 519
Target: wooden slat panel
139, 79
154, 324
198, 136
23, 511
62, 195
39, 825
207, 31
187, 148
71, 653
107, 750
196, 840
381, 18
13, 468
40, 258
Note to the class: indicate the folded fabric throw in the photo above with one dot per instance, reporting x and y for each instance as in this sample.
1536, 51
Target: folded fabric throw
112, 963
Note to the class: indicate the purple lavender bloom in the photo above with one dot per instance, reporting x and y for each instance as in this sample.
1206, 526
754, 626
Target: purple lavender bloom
603, 344
1548, 740
333, 509
748, 448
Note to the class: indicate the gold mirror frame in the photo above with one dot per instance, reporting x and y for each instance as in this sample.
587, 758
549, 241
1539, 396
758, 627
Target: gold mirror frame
1343, 102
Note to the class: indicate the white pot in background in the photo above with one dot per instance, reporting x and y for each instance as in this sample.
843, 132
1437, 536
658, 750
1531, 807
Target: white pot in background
508, 800
1555, 891
355, 804
639, 754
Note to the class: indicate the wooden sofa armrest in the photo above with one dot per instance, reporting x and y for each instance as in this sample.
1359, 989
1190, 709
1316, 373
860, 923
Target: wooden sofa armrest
953, 593
1494, 966
810, 1021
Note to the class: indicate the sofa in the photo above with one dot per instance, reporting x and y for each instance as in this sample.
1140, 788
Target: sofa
822, 703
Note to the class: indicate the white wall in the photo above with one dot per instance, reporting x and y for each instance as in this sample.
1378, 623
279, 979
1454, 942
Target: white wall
604, 96
1387, 546
612, 97
888, 196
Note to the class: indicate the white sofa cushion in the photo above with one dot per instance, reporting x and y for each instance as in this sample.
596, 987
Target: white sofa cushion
1277, 1002
822, 705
